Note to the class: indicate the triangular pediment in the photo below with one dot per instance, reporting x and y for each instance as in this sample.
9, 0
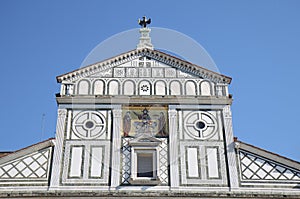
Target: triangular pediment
136, 63
144, 139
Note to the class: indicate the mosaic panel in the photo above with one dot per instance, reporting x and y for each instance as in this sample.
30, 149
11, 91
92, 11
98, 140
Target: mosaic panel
257, 168
145, 120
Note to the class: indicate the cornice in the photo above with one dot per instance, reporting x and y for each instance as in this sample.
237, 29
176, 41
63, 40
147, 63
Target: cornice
122, 99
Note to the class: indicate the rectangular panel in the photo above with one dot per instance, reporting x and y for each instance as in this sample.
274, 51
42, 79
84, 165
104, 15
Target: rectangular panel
212, 162
96, 162
75, 165
192, 162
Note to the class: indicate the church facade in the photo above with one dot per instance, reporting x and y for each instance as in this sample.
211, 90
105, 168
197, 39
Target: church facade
146, 124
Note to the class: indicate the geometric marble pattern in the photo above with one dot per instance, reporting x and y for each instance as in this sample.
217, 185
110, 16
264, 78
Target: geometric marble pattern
89, 124
126, 161
257, 168
34, 166
163, 161
200, 124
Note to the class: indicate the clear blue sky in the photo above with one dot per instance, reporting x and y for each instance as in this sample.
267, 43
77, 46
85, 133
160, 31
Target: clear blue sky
255, 42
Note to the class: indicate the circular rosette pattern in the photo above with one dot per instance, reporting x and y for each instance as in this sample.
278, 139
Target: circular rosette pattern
89, 124
200, 125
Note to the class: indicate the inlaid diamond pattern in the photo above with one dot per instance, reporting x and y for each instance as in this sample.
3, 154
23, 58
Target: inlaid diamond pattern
163, 161
32, 166
257, 168
126, 164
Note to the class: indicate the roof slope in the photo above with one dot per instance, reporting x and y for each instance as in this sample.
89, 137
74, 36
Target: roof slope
7, 156
267, 154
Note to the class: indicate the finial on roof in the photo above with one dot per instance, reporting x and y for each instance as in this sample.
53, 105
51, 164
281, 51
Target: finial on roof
145, 39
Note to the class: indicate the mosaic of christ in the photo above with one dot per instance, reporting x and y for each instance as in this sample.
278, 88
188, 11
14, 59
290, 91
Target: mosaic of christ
145, 120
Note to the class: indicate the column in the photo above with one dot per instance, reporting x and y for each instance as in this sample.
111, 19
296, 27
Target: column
173, 147
58, 148
116, 148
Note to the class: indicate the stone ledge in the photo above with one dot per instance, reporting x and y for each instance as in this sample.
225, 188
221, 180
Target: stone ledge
144, 182
147, 194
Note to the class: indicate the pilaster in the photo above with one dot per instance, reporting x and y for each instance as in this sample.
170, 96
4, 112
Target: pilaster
173, 146
232, 165
116, 147
58, 148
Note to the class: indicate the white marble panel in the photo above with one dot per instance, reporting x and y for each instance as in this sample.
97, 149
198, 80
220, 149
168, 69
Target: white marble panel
96, 161
76, 162
192, 159
212, 162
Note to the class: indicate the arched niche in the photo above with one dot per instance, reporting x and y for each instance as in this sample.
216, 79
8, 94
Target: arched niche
129, 88
98, 87
205, 88
160, 88
190, 88
113, 87
145, 88
175, 88
83, 87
